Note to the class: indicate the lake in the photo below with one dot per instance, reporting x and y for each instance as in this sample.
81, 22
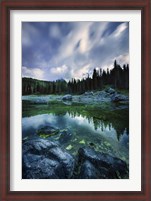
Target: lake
106, 130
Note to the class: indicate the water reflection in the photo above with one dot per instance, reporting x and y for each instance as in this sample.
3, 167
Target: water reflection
31, 124
107, 131
119, 124
118, 119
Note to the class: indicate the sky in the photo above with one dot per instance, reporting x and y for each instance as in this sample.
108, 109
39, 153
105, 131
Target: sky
65, 50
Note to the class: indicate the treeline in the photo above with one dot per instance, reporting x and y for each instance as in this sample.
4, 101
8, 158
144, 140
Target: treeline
118, 78
33, 86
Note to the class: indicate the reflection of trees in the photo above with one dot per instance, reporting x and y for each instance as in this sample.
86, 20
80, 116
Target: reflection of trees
119, 124
117, 119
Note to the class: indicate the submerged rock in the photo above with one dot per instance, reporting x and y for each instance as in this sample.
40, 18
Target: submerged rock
69, 147
67, 97
65, 137
43, 159
47, 131
82, 142
91, 144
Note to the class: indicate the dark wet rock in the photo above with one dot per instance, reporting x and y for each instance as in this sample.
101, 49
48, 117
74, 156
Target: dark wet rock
108, 167
65, 160
39, 167
38, 146
119, 98
47, 131
67, 97
88, 171
43, 159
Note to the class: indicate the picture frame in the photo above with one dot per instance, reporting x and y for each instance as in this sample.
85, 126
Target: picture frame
6, 7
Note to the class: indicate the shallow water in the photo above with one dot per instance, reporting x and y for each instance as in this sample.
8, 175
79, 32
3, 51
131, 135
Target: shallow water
84, 129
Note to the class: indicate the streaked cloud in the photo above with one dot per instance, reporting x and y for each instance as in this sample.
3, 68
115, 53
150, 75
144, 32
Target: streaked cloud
120, 29
72, 49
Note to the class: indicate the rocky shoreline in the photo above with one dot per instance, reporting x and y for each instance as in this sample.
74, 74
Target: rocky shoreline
45, 159
108, 95
48, 153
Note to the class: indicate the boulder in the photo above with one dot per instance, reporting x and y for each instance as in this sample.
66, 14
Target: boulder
119, 97
65, 160
88, 171
110, 90
37, 146
43, 159
104, 165
39, 167
102, 95
67, 97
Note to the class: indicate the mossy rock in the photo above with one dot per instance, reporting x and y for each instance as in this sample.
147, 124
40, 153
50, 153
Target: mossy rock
82, 142
69, 147
47, 131
44, 136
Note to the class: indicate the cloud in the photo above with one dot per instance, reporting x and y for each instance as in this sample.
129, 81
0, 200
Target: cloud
78, 40
111, 47
81, 72
36, 73
65, 72
76, 46
120, 29
122, 59
79, 33
54, 31
26, 41
29, 32
86, 48
73, 49
60, 72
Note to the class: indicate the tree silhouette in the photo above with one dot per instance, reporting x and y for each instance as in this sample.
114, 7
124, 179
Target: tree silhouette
118, 78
